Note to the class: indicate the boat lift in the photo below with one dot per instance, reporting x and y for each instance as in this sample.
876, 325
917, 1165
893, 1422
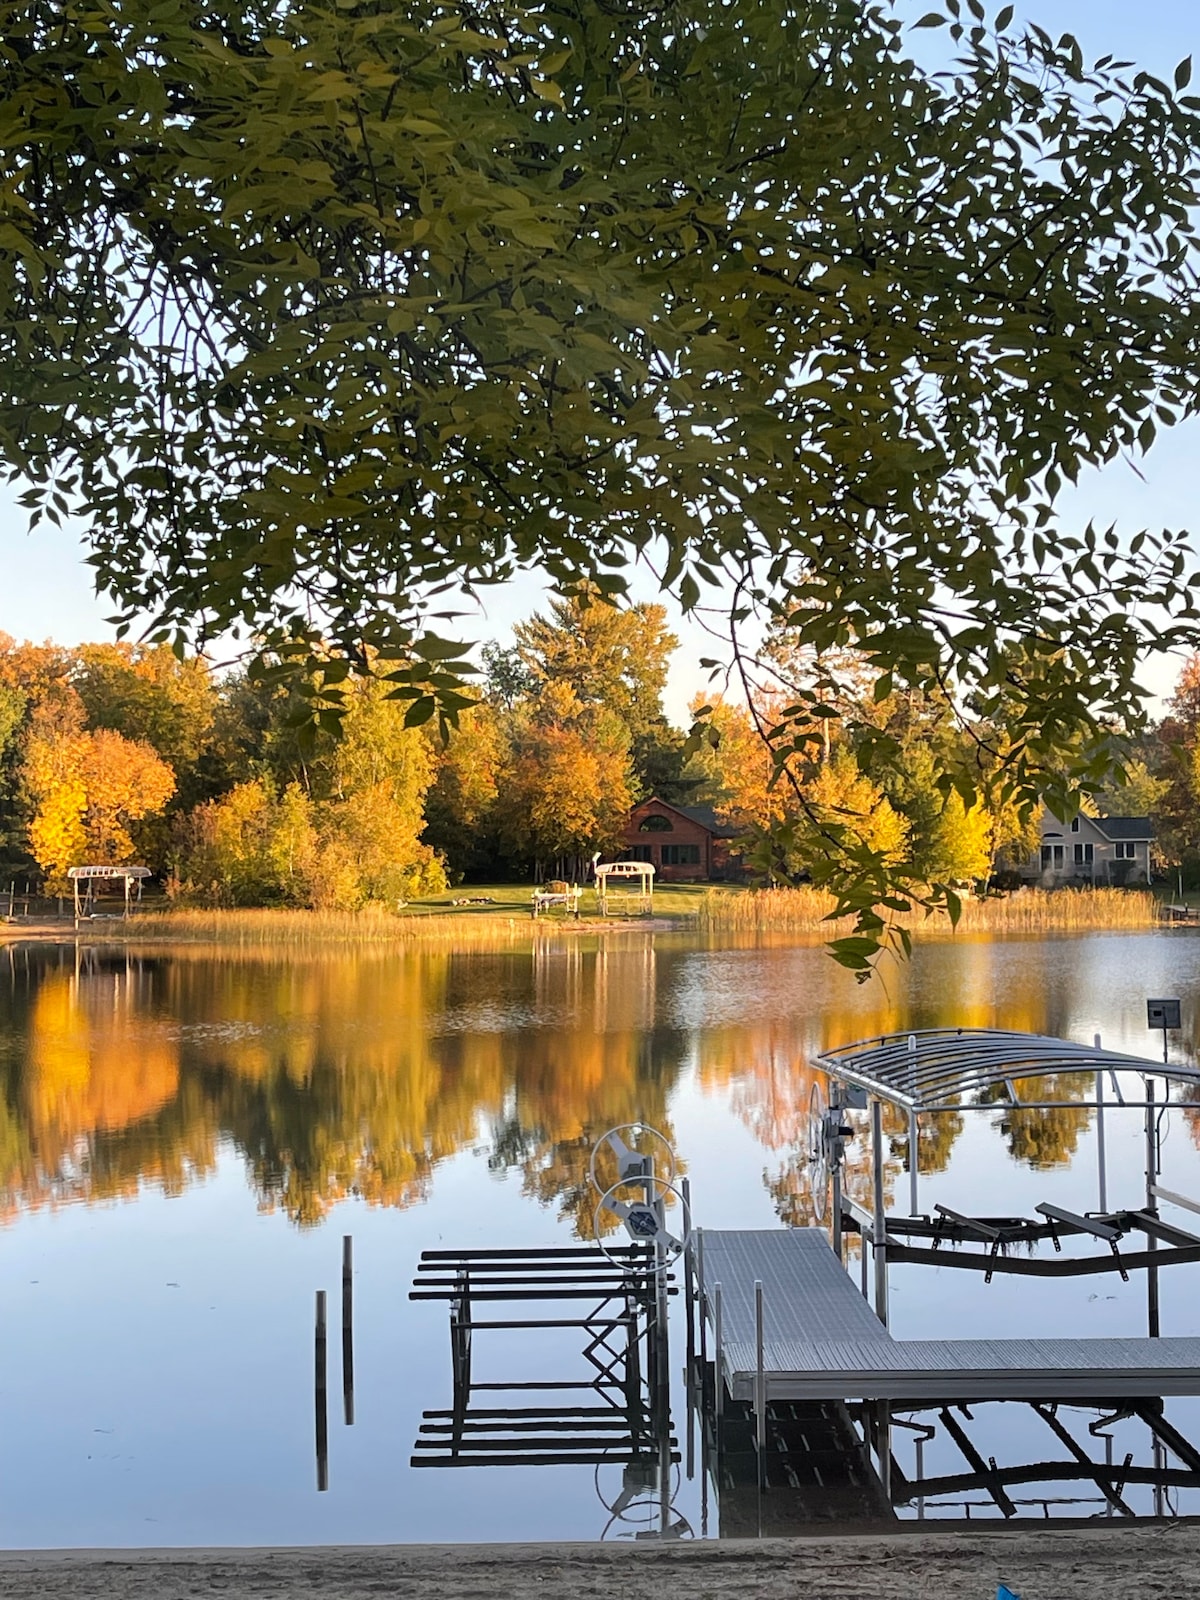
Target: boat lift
949, 1071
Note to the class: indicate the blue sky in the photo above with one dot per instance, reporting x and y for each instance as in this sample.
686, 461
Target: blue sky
47, 593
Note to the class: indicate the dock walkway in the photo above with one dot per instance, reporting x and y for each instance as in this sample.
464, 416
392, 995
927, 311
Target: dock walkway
821, 1340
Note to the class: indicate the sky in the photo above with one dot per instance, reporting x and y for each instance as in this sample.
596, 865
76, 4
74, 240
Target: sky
46, 592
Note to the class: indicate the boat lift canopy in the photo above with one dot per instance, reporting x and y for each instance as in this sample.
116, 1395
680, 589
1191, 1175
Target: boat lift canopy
934, 1068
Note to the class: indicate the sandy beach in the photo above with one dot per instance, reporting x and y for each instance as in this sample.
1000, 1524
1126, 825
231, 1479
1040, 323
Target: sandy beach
1038, 1564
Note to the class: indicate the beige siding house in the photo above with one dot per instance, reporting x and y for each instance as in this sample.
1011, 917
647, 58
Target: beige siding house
1105, 851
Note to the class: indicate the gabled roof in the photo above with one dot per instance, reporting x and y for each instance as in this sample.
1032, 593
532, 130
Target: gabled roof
1139, 829
1125, 827
704, 816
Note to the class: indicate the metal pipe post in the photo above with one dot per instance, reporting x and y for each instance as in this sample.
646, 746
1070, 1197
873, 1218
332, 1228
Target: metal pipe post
348, 1328
662, 1368
689, 1281
914, 1162
884, 1447
760, 1385
1153, 1320
836, 1202
1101, 1154
320, 1395
702, 1297
718, 1373
879, 1210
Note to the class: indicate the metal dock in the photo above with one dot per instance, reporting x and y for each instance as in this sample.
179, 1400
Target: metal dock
789, 1324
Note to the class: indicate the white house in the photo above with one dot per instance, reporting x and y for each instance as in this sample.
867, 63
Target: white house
1093, 850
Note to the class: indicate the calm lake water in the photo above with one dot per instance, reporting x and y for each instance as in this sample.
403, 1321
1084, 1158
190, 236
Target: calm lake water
185, 1137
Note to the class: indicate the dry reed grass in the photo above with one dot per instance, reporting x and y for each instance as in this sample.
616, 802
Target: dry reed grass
719, 913
311, 928
1023, 911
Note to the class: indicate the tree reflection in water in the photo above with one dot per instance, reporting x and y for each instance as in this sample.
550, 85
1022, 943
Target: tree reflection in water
356, 1072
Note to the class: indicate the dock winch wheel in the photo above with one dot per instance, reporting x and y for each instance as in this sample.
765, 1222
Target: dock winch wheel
645, 1223
630, 1152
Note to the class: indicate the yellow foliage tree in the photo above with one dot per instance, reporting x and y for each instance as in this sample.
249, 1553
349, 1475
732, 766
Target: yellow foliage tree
87, 787
843, 795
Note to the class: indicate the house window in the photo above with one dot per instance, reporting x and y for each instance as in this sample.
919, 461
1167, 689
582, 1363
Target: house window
656, 823
1126, 852
681, 855
637, 852
1075, 827
1052, 855
1083, 854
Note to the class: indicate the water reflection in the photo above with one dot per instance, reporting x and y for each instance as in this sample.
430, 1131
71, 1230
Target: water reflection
344, 1074
238, 1098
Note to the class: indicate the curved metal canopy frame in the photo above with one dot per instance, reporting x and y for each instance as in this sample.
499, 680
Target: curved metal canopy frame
931, 1069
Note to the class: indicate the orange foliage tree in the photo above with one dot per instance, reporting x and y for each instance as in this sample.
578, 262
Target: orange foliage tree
88, 786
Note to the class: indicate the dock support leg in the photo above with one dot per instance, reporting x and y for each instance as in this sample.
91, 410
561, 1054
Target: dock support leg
760, 1385
348, 1329
1101, 1153
1153, 1320
914, 1162
689, 1285
702, 1298
320, 1395
879, 1209
883, 1437
718, 1374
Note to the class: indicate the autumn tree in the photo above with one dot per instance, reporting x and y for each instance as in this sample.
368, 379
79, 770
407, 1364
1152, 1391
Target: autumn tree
613, 659
566, 791
461, 805
88, 787
733, 764
252, 846
331, 822
147, 692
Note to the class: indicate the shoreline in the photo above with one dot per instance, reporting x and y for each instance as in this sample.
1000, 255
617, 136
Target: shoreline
1147, 1562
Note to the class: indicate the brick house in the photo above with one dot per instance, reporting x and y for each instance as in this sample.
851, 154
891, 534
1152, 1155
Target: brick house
684, 843
1093, 850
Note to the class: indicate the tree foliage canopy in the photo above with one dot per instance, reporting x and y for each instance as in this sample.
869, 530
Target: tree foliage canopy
313, 310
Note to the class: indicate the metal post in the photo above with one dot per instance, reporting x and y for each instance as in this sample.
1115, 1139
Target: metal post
662, 1369
690, 1298
884, 1447
1101, 1155
1152, 1308
760, 1384
348, 1328
718, 1373
914, 1162
702, 1297
319, 1396
879, 1209
920, 1477
836, 1200
689, 1282
862, 1263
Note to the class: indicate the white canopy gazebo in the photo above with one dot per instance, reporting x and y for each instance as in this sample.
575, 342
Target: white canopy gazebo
636, 879
90, 876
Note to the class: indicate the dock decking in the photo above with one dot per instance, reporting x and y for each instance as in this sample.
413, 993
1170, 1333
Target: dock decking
821, 1341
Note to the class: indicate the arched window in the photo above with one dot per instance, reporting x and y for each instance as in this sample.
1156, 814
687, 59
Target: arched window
656, 823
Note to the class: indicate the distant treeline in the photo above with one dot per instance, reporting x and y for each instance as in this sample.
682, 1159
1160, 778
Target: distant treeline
123, 752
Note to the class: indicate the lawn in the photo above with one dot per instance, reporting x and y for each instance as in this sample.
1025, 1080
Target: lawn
507, 899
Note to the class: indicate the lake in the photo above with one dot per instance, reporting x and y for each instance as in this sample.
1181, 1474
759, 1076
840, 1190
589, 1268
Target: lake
186, 1135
